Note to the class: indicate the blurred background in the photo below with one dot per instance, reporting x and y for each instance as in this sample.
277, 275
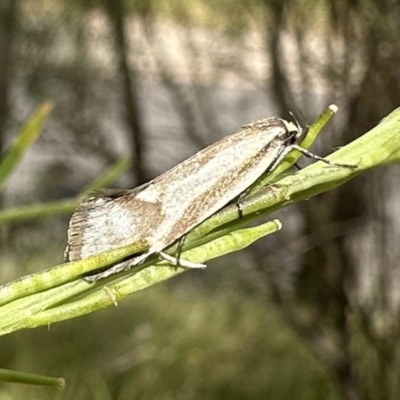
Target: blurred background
309, 313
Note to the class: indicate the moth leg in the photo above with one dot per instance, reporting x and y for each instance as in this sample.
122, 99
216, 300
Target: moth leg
239, 202
180, 262
179, 247
124, 266
312, 155
115, 269
297, 166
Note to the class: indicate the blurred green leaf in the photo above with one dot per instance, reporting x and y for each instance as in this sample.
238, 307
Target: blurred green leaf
59, 207
28, 134
38, 210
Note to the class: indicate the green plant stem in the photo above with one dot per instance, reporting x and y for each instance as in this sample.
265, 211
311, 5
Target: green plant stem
63, 273
35, 310
30, 379
218, 235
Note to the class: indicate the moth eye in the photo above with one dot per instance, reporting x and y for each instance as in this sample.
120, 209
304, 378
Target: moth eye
295, 133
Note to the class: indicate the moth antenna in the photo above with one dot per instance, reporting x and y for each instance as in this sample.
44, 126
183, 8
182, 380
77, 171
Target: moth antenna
300, 122
300, 125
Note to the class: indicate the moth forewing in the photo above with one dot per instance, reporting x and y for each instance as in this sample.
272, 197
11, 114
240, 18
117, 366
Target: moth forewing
106, 221
206, 183
181, 198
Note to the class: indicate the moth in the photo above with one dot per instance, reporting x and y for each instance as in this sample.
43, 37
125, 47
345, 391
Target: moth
165, 209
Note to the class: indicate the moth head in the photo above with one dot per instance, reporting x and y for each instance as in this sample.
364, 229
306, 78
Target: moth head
297, 130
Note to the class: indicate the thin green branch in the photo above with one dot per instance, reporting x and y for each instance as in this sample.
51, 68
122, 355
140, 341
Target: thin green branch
110, 292
221, 234
60, 207
55, 276
7, 375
